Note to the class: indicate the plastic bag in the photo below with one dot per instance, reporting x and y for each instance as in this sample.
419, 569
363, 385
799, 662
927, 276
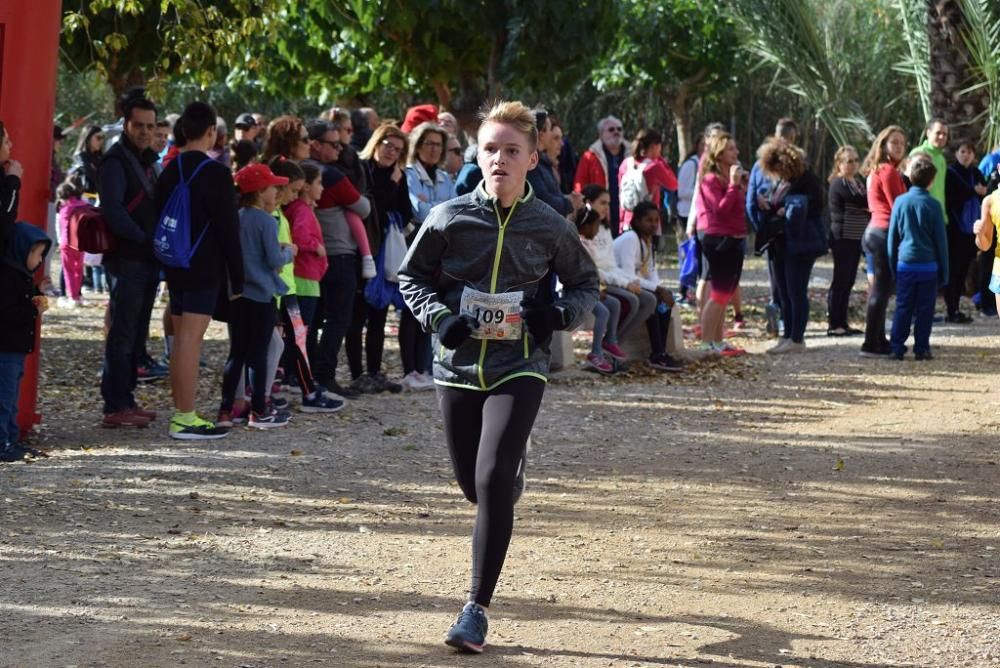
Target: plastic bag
393, 248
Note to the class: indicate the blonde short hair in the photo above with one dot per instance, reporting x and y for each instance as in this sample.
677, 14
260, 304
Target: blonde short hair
514, 114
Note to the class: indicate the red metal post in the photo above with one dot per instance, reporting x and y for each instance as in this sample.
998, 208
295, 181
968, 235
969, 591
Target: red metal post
29, 48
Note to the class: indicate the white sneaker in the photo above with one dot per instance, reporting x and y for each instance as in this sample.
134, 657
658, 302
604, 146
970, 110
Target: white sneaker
426, 381
411, 382
782, 347
793, 347
368, 267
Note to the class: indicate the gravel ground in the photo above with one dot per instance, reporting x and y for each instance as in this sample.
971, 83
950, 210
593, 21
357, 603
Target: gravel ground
816, 511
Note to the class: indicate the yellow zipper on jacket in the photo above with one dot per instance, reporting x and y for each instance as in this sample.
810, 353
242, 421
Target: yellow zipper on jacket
493, 281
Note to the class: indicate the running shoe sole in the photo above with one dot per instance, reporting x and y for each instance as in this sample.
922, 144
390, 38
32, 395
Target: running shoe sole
320, 409
464, 645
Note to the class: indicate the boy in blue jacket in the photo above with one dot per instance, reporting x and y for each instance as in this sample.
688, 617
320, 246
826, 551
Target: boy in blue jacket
918, 256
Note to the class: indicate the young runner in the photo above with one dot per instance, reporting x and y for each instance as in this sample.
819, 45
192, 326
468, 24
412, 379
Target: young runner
477, 276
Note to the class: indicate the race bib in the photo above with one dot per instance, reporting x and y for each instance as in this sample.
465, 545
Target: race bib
499, 316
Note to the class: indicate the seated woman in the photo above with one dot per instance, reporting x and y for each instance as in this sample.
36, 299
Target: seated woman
634, 254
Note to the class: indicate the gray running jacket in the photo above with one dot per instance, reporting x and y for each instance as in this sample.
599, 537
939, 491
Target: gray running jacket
466, 242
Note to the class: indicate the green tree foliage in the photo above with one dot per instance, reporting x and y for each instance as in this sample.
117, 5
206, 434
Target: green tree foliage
137, 41
678, 50
457, 51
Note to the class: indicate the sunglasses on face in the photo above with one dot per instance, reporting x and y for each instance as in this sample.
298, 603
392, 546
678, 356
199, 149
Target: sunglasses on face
331, 144
616, 130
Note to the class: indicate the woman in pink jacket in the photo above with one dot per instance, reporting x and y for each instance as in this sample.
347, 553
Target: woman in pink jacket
721, 231
647, 152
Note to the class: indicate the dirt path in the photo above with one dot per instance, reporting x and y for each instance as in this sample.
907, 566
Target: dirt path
818, 511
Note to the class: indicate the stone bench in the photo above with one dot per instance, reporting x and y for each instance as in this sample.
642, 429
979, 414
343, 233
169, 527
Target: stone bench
635, 345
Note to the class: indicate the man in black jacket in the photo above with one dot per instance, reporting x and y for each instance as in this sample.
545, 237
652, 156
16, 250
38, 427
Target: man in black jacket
126, 180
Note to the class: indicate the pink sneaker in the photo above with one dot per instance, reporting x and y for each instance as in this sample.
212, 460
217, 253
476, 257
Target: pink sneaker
729, 350
598, 363
613, 350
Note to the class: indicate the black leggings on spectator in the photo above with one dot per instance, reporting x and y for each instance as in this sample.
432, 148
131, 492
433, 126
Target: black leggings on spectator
294, 361
846, 255
486, 434
874, 244
370, 322
961, 253
414, 345
251, 325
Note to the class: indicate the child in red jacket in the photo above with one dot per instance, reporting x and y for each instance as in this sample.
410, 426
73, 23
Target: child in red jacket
311, 262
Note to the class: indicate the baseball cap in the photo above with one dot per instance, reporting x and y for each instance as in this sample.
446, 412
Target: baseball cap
256, 177
245, 122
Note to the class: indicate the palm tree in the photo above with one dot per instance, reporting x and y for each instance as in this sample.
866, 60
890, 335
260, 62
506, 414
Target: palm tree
955, 93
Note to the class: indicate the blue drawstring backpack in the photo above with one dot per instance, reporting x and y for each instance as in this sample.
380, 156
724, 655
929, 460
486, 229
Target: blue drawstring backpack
688, 251
172, 237
380, 292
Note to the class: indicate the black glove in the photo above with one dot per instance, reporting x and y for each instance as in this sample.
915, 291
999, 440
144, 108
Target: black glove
542, 319
455, 329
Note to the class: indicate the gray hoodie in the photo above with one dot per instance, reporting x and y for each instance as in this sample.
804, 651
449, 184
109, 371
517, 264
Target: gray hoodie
462, 243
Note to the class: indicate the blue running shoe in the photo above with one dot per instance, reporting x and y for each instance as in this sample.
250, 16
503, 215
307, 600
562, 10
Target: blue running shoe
468, 633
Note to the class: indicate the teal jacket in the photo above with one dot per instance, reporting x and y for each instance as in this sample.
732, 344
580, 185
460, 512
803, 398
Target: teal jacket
466, 243
917, 234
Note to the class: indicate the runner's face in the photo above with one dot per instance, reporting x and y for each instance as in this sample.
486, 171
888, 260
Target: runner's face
505, 158
140, 128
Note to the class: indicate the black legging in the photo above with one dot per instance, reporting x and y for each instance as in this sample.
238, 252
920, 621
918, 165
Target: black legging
875, 244
372, 321
251, 325
414, 345
293, 359
961, 253
486, 434
846, 255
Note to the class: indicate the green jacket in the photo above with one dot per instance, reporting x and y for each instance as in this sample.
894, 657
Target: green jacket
941, 163
464, 242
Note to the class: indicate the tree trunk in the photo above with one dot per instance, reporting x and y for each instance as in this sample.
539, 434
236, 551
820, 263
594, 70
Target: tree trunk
951, 73
681, 109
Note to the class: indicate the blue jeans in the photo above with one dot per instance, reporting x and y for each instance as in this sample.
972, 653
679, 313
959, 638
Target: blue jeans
133, 291
337, 289
792, 276
916, 293
11, 370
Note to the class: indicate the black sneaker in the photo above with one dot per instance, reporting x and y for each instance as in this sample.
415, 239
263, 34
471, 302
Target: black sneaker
665, 362
386, 384
468, 633
959, 318
923, 356
365, 384
269, 419
346, 392
320, 404
872, 351
280, 403
11, 452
